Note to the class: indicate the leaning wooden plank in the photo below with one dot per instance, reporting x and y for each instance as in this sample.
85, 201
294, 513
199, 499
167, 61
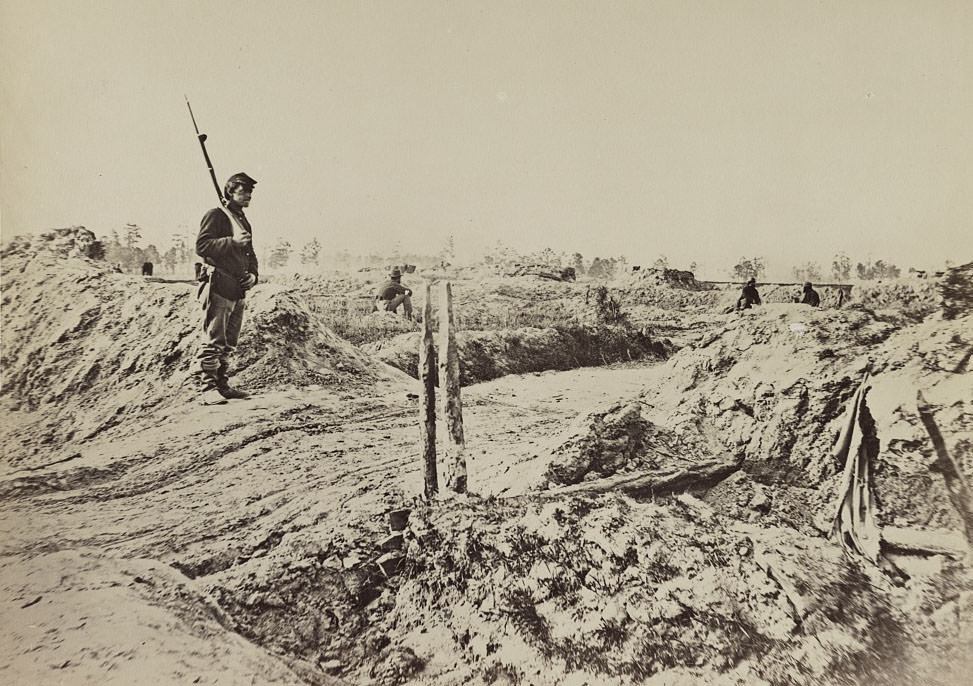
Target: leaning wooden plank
959, 492
655, 482
924, 541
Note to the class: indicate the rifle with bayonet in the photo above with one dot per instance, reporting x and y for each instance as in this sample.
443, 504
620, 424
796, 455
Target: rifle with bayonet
202, 144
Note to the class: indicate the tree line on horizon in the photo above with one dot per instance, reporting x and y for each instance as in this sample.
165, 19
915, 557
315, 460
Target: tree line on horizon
124, 249
841, 269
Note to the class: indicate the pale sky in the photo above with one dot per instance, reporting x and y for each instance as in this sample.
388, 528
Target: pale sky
702, 130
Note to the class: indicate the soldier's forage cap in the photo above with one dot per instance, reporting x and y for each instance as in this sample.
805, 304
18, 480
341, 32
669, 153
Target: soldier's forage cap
242, 179
807, 285
752, 282
396, 273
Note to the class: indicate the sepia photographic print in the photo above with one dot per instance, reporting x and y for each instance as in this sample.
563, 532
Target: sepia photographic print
508, 342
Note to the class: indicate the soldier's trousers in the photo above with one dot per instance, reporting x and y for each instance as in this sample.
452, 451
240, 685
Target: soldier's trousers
393, 304
222, 321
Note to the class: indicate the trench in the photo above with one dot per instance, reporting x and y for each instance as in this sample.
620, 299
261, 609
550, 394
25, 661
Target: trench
487, 355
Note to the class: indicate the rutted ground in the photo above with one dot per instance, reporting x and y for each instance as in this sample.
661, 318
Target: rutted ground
237, 543
297, 479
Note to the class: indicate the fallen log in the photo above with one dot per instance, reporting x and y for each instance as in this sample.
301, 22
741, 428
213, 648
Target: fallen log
924, 541
654, 482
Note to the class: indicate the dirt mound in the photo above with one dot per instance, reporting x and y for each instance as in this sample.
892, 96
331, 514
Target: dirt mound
486, 355
514, 302
544, 271
896, 294
769, 390
74, 241
673, 278
666, 298
590, 590
619, 440
905, 301
956, 291
84, 349
286, 344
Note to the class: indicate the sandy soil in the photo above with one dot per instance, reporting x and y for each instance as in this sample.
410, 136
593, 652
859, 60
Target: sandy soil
99, 539
147, 539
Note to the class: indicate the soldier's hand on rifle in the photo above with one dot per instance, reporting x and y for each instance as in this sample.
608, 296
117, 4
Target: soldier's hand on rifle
248, 281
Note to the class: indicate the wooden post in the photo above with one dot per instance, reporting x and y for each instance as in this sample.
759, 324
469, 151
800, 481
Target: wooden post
449, 388
427, 398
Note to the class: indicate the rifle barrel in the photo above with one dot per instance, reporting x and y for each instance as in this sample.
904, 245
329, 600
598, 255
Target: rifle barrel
191, 115
202, 144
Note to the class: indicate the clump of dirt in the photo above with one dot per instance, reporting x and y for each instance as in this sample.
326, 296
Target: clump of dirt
85, 349
618, 440
486, 355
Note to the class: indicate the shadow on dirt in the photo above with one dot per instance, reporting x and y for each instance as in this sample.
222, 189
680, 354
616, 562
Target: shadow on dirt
486, 355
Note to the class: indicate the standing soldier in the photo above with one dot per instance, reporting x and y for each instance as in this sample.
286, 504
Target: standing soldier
224, 243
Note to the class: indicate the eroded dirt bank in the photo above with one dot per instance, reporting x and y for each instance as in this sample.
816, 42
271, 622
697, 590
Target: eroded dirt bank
486, 355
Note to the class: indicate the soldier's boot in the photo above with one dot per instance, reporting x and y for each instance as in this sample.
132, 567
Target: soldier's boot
231, 393
225, 389
209, 390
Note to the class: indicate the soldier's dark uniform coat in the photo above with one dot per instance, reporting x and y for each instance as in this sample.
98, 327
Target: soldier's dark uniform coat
748, 297
215, 245
811, 297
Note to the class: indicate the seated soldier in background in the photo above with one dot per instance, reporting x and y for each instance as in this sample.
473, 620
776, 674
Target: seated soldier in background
811, 296
392, 293
748, 296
